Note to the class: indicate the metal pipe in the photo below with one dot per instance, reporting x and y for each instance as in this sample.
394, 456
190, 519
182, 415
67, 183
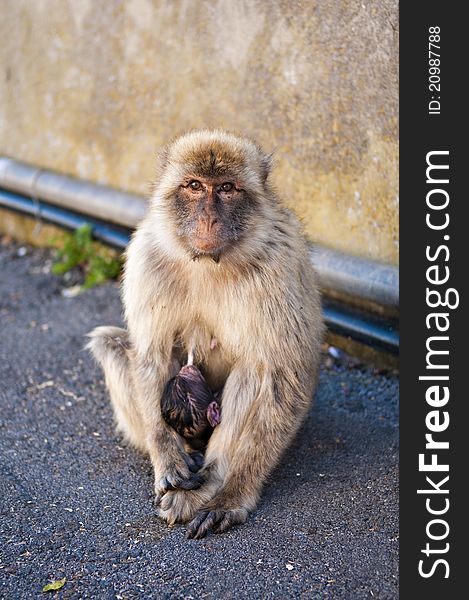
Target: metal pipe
368, 280
58, 216
377, 333
88, 198
373, 332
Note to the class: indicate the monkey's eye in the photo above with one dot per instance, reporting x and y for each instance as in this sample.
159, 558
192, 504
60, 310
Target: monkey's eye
226, 187
195, 185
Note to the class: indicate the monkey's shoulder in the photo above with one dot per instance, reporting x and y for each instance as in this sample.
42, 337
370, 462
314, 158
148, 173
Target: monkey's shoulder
148, 265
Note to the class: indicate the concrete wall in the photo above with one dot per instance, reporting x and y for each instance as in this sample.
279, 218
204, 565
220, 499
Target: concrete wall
94, 89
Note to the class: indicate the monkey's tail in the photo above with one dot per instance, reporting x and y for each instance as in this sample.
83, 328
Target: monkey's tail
105, 340
110, 347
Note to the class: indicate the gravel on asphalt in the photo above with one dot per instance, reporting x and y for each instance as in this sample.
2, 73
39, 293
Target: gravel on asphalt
77, 503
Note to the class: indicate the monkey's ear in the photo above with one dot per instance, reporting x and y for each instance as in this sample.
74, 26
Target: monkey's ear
267, 162
163, 157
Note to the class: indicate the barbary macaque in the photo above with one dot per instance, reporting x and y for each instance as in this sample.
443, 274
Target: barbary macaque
217, 257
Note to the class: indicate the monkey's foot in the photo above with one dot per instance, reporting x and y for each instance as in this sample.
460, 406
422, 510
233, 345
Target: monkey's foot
181, 505
178, 506
218, 520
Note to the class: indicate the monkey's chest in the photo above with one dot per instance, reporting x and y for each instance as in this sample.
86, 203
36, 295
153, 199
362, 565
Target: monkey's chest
209, 354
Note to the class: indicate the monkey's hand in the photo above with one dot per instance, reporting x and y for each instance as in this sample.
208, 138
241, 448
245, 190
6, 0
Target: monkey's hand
181, 472
218, 515
180, 505
198, 460
184, 477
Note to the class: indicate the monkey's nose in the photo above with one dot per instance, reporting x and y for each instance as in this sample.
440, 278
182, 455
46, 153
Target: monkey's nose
211, 222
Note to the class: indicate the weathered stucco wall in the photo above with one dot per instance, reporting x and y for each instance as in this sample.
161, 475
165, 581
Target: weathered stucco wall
94, 89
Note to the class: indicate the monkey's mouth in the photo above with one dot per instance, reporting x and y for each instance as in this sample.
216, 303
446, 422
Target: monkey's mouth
198, 254
206, 248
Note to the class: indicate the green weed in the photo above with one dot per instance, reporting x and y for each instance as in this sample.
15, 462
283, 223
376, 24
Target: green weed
97, 263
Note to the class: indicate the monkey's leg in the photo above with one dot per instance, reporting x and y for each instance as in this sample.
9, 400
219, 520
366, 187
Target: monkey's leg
173, 466
138, 420
110, 347
252, 452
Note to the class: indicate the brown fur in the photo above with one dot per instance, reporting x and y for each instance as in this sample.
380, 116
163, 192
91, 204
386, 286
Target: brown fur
260, 302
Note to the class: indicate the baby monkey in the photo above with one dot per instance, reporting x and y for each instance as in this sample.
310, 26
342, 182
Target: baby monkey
189, 406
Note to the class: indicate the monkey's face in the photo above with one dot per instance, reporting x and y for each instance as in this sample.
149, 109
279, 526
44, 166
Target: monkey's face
213, 185
211, 213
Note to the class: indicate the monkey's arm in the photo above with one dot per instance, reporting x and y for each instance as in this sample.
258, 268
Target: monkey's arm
273, 419
134, 385
261, 414
173, 467
147, 291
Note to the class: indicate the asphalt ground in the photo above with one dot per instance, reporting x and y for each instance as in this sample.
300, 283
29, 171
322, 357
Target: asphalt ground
76, 503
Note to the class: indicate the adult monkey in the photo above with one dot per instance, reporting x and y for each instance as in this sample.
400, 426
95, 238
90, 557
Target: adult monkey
219, 267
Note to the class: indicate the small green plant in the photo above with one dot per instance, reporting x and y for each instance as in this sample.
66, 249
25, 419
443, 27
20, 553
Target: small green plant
97, 263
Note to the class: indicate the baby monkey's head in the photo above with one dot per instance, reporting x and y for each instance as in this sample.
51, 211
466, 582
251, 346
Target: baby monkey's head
189, 407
